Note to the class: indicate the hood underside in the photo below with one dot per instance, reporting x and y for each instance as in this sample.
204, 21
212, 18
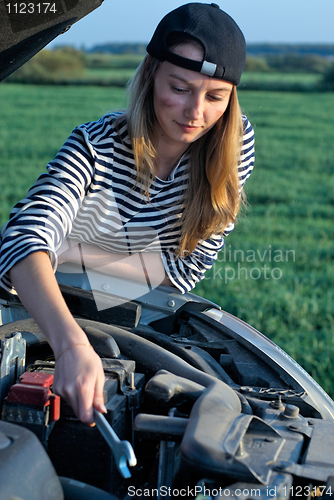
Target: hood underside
26, 28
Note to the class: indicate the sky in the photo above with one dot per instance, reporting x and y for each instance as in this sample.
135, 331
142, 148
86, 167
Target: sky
271, 21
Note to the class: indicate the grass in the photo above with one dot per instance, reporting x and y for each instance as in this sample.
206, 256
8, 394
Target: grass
276, 272
280, 81
34, 123
250, 81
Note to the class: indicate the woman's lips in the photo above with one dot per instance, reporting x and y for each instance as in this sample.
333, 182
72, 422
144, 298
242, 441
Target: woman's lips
188, 128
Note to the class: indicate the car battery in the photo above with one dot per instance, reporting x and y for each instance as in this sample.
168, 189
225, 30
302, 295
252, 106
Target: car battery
76, 450
80, 452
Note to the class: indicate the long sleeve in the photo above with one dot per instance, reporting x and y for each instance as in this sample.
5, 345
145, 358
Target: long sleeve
42, 220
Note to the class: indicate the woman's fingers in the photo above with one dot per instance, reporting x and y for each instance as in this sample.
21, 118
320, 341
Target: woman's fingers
98, 399
79, 379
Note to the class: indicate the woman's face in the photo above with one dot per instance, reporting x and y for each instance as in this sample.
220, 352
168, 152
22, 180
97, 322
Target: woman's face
187, 104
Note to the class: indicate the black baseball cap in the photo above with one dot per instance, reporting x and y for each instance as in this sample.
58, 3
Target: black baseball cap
223, 41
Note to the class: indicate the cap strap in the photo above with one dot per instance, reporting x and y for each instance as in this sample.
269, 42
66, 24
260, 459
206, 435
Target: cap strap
184, 62
206, 68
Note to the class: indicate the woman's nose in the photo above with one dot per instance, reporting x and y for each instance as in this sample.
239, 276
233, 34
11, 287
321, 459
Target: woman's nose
194, 108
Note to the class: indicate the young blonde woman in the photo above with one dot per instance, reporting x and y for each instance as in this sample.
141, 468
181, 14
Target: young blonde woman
162, 180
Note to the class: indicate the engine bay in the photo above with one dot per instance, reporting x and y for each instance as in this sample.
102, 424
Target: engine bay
207, 414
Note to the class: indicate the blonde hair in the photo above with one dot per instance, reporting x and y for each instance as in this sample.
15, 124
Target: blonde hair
212, 199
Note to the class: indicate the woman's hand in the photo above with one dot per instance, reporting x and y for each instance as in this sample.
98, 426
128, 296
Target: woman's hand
79, 379
79, 376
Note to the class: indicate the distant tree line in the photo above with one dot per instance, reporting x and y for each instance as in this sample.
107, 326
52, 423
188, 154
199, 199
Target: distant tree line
287, 58
51, 67
119, 48
68, 65
269, 49
257, 50
288, 63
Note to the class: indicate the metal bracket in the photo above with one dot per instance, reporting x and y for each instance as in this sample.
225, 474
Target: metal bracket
12, 362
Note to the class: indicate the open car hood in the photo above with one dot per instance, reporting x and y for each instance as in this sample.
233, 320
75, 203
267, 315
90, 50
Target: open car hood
26, 28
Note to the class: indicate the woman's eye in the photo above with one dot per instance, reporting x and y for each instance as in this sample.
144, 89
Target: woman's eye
179, 90
219, 97
215, 97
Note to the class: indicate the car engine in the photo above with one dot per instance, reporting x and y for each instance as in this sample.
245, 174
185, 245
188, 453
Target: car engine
207, 414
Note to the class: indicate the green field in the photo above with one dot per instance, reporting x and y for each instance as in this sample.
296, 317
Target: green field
249, 80
276, 272
280, 81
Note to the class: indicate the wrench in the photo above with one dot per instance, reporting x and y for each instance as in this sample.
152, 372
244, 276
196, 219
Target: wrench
122, 450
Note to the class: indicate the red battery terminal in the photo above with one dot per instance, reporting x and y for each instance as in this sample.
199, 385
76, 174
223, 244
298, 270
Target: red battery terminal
34, 389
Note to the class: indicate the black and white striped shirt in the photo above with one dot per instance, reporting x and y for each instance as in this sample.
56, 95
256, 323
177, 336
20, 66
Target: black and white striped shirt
90, 194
